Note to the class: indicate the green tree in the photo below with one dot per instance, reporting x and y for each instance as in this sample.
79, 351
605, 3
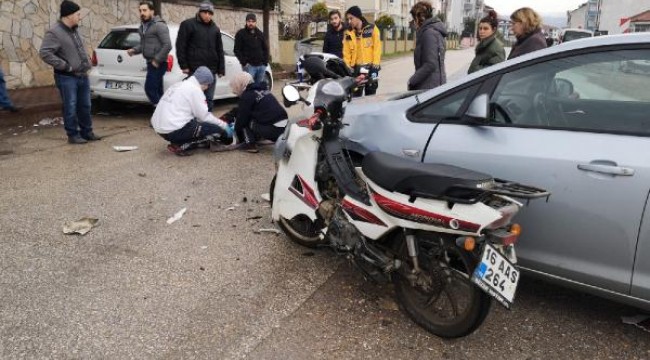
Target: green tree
319, 12
385, 22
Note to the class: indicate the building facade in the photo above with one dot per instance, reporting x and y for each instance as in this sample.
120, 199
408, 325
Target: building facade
610, 16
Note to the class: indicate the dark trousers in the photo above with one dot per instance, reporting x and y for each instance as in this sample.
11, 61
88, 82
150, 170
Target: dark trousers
195, 131
209, 94
75, 95
255, 132
5, 102
153, 84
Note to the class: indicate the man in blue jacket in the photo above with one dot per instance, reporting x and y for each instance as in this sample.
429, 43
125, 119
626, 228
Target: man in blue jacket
154, 47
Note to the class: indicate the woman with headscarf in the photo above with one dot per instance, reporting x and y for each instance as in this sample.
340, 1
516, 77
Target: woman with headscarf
429, 54
259, 115
527, 27
489, 50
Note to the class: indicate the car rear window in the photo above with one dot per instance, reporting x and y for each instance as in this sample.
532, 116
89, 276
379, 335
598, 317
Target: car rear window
121, 39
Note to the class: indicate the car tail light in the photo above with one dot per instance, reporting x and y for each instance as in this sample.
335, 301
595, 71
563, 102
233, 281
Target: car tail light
170, 63
93, 59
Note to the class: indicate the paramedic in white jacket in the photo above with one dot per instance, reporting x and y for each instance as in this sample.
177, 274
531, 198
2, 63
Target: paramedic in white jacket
182, 115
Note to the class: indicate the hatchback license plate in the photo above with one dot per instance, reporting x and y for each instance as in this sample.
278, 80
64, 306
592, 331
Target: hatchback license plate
119, 85
497, 276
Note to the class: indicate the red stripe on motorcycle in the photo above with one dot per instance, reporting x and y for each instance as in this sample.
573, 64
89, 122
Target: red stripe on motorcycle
305, 193
361, 214
411, 213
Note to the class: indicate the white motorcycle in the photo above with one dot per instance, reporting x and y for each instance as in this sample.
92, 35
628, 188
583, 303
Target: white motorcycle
441, 233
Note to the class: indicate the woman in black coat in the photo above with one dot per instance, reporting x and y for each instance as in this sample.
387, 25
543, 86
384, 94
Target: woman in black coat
429, 54
489, 50
527, 27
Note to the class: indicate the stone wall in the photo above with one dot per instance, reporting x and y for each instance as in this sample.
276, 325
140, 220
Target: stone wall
23, 24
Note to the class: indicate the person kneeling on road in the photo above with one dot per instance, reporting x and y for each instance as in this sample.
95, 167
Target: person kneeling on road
259, 114
183, 119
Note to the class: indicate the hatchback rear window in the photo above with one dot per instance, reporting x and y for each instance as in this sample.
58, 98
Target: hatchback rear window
121, 39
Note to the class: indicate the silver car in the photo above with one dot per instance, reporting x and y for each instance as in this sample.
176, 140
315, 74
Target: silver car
566, 119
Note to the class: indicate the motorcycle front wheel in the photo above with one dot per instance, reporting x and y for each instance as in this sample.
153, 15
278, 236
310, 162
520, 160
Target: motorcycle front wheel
441, 298
300, 229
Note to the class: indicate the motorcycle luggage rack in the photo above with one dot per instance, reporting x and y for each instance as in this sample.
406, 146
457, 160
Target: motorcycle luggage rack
470, 195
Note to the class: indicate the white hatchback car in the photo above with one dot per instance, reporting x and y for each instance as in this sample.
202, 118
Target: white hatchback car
117, 76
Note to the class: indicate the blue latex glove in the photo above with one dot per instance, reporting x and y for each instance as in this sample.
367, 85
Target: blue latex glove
230, 129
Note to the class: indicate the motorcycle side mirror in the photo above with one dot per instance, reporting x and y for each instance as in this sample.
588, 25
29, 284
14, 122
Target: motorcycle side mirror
479, 109
291, 95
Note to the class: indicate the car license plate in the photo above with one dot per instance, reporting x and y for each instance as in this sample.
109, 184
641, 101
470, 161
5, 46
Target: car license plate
119, 85
497, 276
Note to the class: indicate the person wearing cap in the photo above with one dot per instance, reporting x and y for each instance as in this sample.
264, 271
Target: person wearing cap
154, 46
63, 49
182, 116
199, 44
251, 49
362, 47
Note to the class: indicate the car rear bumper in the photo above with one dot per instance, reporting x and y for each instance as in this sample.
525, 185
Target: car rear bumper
136, 94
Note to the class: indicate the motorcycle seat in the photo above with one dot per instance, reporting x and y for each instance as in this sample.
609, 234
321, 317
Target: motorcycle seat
401, 175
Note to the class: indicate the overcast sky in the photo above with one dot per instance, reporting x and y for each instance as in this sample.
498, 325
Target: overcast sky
554, 7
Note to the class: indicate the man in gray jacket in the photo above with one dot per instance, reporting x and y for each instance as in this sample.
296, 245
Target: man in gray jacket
154, 47
63, 49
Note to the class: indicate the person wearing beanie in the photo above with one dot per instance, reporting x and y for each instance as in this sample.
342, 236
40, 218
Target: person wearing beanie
362, 48
63, 49
258, 115
183, 119
199, 44
154, 46
252, 50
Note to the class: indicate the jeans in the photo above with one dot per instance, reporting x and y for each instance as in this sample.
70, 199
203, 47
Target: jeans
193, 131
257, 72
5, 102
75, 95
153, 85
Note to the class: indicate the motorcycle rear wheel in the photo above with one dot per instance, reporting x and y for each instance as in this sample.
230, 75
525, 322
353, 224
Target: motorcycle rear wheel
443, 300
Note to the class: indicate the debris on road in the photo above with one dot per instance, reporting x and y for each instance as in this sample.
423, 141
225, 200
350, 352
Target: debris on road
81, 226
273, 231
142, 175
256, 217
642, 321
230, 208
51, 121
266, 197
119, 148
177, 216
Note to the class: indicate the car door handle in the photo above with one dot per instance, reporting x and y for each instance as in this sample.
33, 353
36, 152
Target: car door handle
411, 152
607, 169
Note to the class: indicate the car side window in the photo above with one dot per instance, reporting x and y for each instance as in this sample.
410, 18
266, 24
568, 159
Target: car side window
603, 91
447, 107
228, 45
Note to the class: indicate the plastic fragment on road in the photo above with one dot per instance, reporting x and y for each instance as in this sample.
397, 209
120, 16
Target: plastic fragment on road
641, 321
51, 121
232, 208
81, 226
179, 214
273, 231
266, 197
119, 148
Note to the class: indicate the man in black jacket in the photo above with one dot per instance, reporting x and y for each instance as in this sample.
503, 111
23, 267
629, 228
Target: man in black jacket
334, 37
199, 44
251, 49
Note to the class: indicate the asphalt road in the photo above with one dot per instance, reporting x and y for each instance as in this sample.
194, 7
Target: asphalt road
210, 286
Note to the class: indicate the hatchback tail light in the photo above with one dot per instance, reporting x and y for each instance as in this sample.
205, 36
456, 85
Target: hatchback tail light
93, 59
170, 63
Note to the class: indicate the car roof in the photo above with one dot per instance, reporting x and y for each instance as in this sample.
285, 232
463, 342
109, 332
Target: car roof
569, 46
577, 30
172, 27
